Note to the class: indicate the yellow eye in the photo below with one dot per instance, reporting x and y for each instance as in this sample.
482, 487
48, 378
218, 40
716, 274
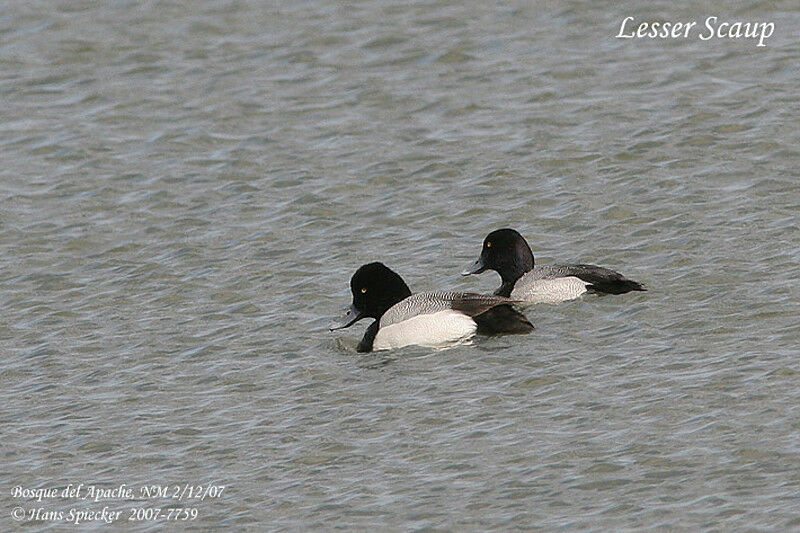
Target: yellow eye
363, 290
488, 244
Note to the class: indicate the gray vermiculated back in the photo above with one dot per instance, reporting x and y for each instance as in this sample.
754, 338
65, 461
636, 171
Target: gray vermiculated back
555, 271
432, 302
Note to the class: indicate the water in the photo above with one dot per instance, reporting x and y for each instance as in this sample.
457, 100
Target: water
187, 188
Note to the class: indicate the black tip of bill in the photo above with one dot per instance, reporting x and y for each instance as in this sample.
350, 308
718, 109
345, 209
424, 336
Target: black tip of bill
475, 268
351, 317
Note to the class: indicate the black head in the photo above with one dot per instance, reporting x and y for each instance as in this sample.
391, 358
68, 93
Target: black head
375, 289
506, 252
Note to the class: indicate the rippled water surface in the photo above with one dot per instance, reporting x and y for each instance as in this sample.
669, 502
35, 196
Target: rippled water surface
187, 188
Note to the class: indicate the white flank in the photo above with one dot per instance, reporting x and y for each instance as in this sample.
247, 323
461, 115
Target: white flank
434, 330
550, 291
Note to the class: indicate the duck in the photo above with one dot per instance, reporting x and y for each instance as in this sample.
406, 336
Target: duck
428, 319
507, 252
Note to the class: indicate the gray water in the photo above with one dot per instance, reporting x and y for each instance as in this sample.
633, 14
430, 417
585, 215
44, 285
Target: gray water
187, 188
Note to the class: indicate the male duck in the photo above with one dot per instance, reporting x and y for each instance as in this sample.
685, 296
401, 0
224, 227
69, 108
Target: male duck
506, 252
426, 319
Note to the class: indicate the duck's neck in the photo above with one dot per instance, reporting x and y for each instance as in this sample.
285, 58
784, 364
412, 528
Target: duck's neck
510, 271
505, 289
369, 338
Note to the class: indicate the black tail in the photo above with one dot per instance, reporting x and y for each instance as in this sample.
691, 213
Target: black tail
617, 286
600, 279
502, 319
